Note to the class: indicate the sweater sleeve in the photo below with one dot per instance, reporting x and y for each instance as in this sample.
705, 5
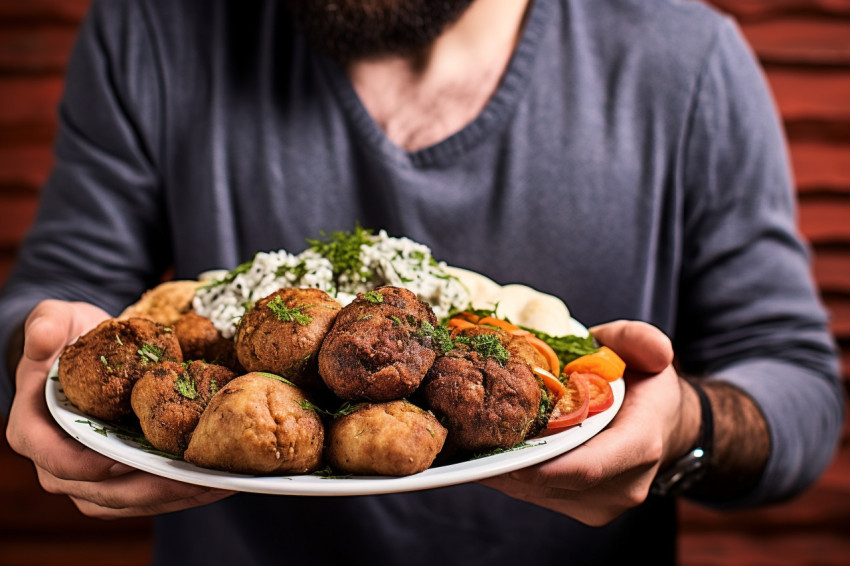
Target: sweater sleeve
99, 235
749, 312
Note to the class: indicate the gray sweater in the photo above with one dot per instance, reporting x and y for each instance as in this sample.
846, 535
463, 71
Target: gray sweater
631, 163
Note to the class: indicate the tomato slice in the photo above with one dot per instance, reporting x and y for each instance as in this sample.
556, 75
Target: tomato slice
601, 394
572, 408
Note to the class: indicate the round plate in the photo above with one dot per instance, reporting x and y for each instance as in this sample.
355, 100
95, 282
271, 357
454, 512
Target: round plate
128, 447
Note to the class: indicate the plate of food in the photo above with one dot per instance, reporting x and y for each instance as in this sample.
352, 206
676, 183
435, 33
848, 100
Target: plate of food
359, 366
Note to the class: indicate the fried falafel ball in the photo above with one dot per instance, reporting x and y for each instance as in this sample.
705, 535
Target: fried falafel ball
282, 334
396, 438
170, 398
483, 392
258, 424
376, 350
200, 340
164, 303
98, 371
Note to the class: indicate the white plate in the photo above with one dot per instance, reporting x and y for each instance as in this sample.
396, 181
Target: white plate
106, 439
522, 304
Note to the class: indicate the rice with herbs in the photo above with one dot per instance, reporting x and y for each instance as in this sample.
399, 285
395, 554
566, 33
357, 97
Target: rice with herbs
343, 265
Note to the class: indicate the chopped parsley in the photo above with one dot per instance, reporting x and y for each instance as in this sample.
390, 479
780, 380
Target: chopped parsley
286, 314
186, 387
396, 320
439, 334
374, 297
487, 346
150, 353
231, 275
342, 249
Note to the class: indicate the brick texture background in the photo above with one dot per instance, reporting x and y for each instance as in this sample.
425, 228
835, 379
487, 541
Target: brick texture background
804, 46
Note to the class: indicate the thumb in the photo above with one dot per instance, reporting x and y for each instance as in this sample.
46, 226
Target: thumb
642, 346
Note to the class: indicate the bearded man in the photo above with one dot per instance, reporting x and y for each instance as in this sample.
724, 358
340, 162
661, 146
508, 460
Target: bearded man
623, 155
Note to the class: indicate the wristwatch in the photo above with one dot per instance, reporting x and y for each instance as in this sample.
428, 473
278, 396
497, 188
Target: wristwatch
692, 467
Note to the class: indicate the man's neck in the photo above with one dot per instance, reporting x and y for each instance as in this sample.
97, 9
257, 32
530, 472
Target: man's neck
423, 99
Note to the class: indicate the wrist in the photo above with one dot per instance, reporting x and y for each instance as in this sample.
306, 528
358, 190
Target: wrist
686, 433
688, 466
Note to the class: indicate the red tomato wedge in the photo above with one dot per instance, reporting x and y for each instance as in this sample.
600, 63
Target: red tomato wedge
573, 406
601, 394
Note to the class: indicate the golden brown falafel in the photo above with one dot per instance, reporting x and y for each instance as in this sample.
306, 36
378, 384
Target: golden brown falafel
282, 334
376, 350
258, 424
98, 371
396, 438
486, 397
170, 398
200, 340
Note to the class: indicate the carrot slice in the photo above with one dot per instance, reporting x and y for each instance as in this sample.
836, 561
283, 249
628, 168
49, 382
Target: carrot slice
466, 315
604, 363
552, 383
458, 324
498, 323
546, 351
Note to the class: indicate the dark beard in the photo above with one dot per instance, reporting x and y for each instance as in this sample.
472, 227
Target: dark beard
347, 30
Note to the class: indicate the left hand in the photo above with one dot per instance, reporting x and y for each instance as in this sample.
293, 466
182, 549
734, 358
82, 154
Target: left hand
612, 472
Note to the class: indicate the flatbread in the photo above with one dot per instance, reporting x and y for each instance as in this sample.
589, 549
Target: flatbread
165, 303
520, 304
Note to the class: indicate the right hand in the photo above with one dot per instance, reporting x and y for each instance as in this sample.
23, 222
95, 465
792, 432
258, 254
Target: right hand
99, 486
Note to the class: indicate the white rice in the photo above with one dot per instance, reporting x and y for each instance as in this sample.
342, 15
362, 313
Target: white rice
400, 262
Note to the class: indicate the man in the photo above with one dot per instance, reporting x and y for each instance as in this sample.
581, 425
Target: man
623, 155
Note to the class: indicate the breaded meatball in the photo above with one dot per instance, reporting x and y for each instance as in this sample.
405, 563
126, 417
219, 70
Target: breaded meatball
258, 424
98, 371
485, 396
165, 303
282, 334
396, 438
376, 350
169, 400
200, 340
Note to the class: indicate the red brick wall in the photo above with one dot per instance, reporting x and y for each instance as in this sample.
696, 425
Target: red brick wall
805, 48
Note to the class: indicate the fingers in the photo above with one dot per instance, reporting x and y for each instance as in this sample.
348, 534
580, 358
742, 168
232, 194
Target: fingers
642, 346
130, 495
52, 450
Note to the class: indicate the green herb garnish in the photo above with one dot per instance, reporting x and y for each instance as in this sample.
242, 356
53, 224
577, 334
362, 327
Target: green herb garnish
374, 297
439, 334
495, 451
487, 346
150, 353
186, 387
286, 314
569, 347
396, 320
342, 249
231, 275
